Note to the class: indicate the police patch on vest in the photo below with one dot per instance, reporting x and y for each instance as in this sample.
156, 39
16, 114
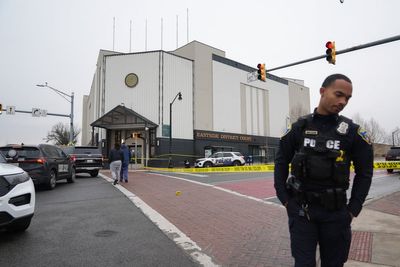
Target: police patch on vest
343, 128
311, 132
330, 144
364, 135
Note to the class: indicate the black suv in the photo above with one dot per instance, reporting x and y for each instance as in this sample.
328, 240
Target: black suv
88, 159
393, 155
45, 163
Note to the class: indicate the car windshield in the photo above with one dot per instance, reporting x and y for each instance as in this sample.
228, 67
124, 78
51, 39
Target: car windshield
68, 150
22, 152
87, 150
394, 152
2, 159
82, 150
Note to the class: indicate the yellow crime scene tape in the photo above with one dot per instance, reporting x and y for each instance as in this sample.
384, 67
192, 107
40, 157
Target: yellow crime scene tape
261, 168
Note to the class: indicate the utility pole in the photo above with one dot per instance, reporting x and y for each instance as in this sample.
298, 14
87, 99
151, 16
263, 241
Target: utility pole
71, 115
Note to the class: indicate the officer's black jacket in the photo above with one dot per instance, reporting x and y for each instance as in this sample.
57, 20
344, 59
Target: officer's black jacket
361, 156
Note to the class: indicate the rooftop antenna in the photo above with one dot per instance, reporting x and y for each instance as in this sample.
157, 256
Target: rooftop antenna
145, 42
130, 36
113, 33
161, 33
177, 31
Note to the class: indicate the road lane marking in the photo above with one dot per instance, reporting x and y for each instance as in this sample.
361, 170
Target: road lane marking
241, 180
197, 175
222, 189
167, 227
186, 173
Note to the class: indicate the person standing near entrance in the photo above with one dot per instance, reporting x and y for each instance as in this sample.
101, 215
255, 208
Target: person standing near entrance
115, 158
320, 148
125, 163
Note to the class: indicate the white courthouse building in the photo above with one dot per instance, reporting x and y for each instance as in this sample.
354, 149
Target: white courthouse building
219, 109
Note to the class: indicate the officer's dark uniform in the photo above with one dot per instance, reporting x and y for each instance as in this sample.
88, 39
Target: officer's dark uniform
320, 150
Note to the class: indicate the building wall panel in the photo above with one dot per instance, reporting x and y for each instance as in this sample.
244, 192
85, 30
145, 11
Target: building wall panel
143, 98
260, 96
161, 77
178, 77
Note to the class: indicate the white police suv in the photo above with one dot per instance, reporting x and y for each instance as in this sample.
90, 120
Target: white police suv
17, 197
221, 159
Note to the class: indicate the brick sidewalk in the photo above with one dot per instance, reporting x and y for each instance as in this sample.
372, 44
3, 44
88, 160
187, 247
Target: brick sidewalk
260, 188
233, 230
389, 204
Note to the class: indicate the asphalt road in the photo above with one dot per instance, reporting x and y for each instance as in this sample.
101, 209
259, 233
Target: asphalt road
89, 223
221, 177
383, 183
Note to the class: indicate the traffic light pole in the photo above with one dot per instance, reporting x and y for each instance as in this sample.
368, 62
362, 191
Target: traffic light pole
359, 47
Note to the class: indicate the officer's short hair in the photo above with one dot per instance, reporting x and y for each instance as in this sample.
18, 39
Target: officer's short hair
332, 78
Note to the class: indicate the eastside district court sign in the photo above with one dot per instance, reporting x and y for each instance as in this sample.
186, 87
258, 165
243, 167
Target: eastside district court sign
223, 136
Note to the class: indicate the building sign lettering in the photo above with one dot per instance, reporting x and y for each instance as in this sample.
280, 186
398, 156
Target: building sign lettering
222, 136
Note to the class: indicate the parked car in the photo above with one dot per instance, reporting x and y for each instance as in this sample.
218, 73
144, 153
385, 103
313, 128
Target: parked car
45, 163
393, 155
221, 159
17, 197
88, 159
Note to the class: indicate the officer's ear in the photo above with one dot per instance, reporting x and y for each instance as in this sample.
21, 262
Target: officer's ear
322, 91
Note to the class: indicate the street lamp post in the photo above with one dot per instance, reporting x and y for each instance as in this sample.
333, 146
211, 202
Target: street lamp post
71, 115
393, 135
179, 96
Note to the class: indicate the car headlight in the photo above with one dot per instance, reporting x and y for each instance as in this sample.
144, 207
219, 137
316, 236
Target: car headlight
15, 179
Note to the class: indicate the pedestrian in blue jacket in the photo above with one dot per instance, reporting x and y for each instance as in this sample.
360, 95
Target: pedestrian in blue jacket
125, 163
115, 158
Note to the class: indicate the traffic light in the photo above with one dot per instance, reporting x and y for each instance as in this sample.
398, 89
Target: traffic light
1, 108
262, 76
331, 52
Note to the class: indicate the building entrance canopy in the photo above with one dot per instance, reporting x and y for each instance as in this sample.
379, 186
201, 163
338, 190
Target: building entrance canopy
120, 118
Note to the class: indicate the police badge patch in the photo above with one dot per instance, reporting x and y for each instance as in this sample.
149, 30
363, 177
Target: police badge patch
343, 128
364, 135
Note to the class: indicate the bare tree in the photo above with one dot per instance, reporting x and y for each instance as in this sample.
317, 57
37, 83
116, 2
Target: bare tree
59, 134
376, 133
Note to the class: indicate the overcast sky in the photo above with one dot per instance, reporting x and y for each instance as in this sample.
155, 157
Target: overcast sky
58, 41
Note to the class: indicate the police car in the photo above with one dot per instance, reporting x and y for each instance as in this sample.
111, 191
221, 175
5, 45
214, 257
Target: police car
45, 163
221, 159
17, 197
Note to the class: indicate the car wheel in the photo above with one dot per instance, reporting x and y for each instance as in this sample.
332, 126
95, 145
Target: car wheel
236, 163
20, 225
94, 173
71, 179
207, 164
389, 170
53, 180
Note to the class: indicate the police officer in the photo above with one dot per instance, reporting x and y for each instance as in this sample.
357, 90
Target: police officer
320, 148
